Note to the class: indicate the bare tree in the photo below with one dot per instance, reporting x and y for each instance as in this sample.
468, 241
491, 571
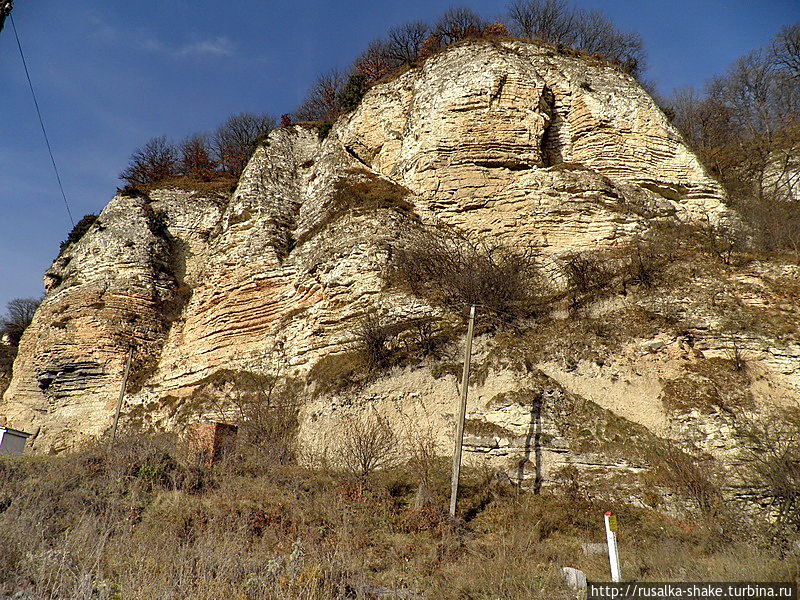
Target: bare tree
322, 100
747, 89
234, 139
706, 124
19, 314
405, 42
154, 161
596, 34
373, 62
786, 49
549, 20
458, 23
557, 22
367, 443
195, 157
763, 105
691, 475
772, 465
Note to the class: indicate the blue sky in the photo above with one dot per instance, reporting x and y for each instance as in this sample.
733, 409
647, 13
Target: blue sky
110, 75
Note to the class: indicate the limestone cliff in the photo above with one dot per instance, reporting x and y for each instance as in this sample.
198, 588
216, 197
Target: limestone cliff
502, 140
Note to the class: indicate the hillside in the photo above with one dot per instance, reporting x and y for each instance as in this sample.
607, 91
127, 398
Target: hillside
628, 316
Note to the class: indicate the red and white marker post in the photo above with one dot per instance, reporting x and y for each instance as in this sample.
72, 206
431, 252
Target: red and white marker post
613, 552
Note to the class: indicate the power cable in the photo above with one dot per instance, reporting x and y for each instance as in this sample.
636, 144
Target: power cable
41, 121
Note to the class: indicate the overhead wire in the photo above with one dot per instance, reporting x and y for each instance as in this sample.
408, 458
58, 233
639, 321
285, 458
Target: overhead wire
41, 121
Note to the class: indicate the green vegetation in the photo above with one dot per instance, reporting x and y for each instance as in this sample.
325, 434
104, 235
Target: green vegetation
353, 91
77, 232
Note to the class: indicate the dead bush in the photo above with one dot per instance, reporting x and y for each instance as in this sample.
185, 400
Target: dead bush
447, 268
690, 476
429, 468
771, 469
586, 274
265, 408
723, 238
374, 340
367, 443
379, 342
643, 261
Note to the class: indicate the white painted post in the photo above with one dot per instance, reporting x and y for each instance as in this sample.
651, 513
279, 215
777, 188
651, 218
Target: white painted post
613, 553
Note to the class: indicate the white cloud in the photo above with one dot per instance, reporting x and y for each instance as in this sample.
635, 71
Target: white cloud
220, 46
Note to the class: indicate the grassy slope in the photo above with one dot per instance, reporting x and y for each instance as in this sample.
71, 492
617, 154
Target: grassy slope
137, 521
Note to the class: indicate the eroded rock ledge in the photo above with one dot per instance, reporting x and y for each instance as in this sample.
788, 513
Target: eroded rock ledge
507, 140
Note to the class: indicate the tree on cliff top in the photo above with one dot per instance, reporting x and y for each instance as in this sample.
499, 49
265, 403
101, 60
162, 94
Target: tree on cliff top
19, 314
195, 158
234, 140
154, 161
322, 100
557, 22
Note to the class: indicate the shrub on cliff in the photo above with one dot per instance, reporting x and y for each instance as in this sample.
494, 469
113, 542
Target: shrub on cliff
586, 273
449, 269
77, 232
233, 141
154, 161
352, 92
195, 158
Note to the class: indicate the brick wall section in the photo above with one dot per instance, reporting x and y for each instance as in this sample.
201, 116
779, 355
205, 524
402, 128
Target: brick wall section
209, 441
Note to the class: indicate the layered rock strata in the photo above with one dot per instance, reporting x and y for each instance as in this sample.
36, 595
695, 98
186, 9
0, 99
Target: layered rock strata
502, 140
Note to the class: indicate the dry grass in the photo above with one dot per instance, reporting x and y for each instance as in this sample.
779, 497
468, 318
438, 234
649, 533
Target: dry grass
361, 192
138, 522
222, 184
709, 385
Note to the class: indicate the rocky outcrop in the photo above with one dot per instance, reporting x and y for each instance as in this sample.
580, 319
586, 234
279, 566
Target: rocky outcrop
503, 140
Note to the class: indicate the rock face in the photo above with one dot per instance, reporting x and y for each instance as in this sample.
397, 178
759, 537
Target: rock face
502, 140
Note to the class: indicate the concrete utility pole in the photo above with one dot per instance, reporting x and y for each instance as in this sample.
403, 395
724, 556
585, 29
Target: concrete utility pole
122, 393
462, 412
